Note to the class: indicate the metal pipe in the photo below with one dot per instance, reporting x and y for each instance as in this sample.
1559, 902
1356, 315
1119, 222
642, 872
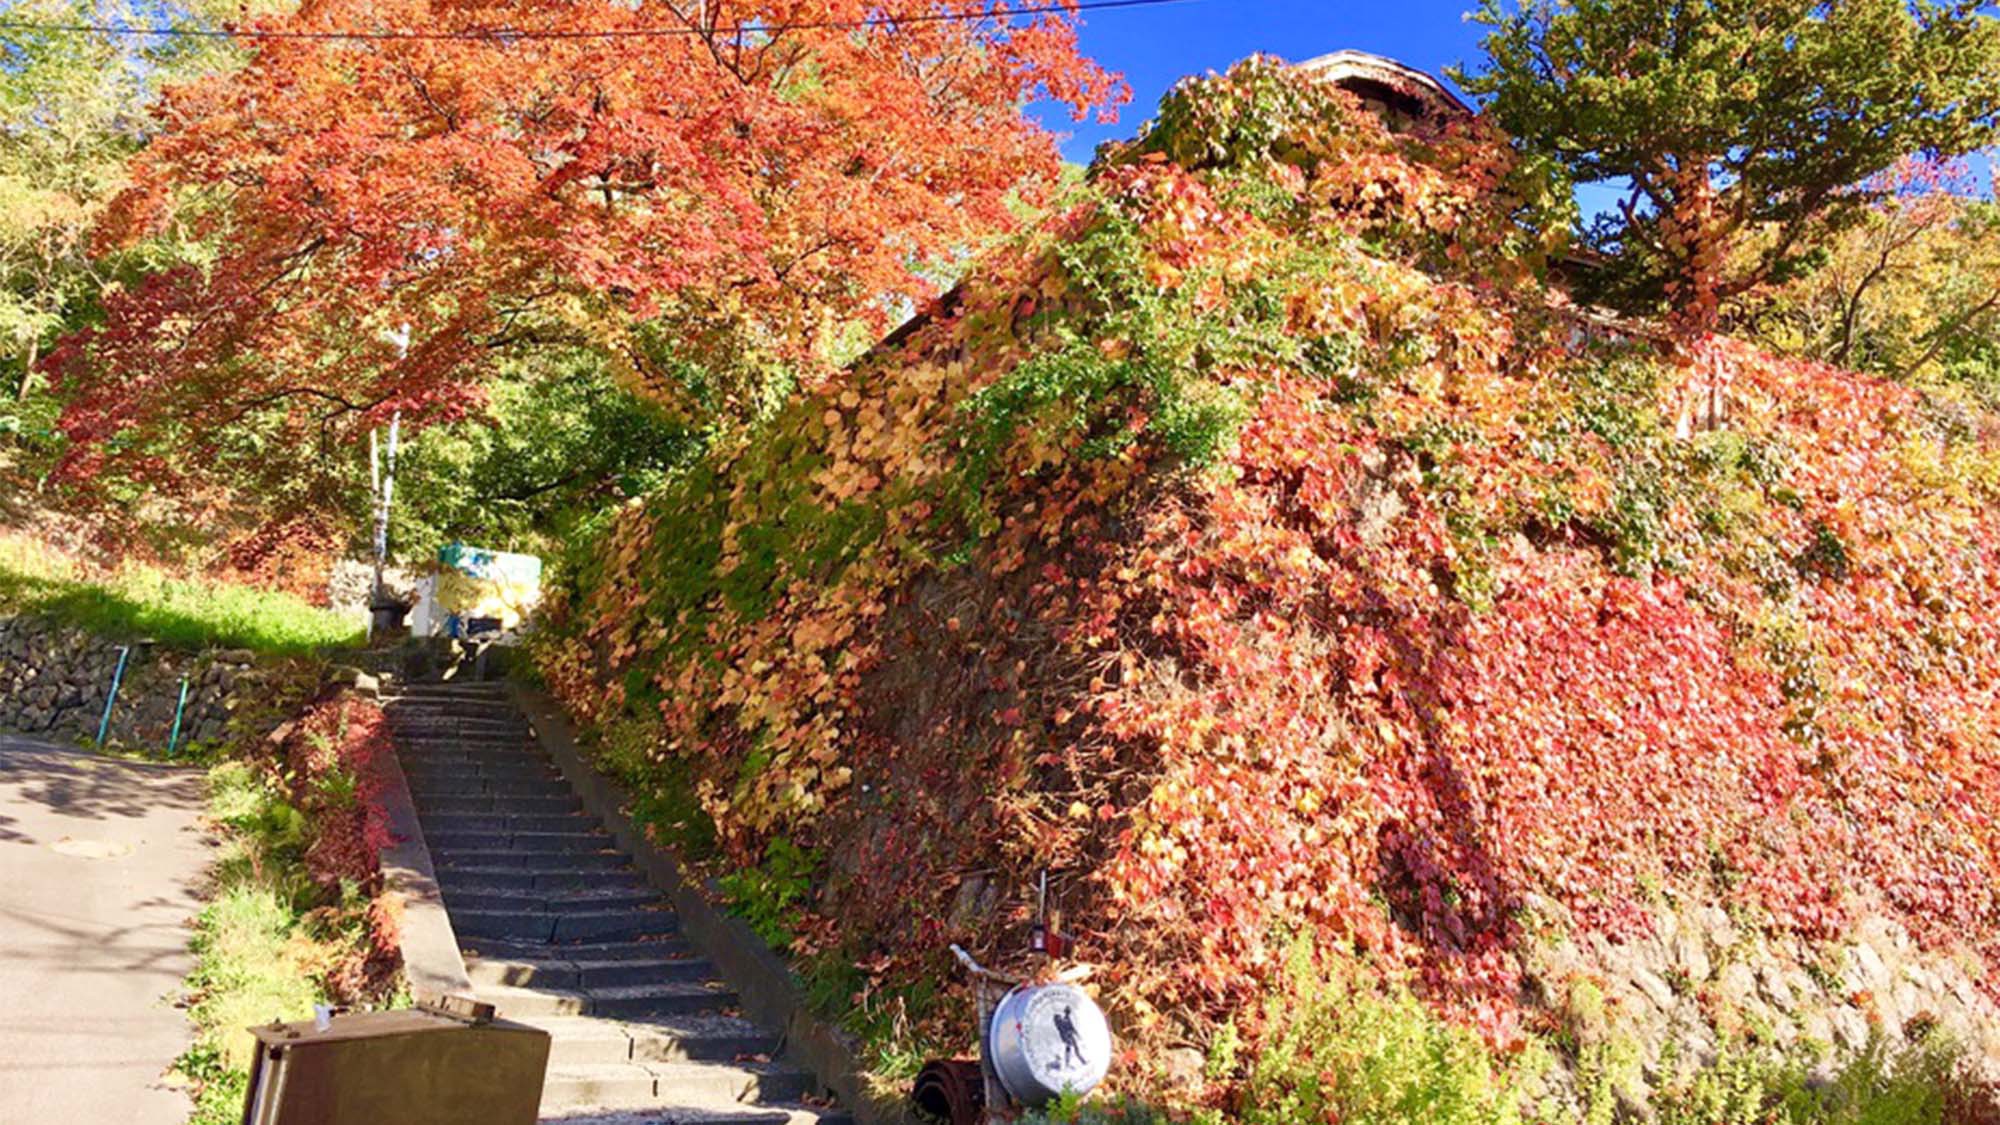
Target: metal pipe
983, 981
117, 675
175, 737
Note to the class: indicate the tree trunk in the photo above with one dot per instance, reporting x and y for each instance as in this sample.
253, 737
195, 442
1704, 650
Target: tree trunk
1942, 332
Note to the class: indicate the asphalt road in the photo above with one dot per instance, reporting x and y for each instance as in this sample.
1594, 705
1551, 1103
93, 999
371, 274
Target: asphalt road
99, 861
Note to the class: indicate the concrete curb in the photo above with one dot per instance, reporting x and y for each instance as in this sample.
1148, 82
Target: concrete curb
432, 964
770, 992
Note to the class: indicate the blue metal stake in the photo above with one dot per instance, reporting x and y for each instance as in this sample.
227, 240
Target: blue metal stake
104, 724
178, 708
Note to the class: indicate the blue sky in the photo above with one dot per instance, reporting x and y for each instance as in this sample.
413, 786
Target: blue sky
1155, 46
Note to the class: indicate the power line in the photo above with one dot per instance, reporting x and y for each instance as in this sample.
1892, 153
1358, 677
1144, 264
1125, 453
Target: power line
511, 35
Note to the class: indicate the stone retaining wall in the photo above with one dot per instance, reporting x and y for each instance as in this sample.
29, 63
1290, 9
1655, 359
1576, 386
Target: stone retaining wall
1662, 1003
53, 681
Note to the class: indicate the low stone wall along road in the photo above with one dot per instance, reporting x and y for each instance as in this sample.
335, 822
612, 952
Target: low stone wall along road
99, 864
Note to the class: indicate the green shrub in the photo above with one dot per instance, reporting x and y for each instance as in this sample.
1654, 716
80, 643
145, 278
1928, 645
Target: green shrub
1072, 1110
219, 1089
264, 840
767, 896
1746, 1085
662, 786
1339, 1045
1350, 1053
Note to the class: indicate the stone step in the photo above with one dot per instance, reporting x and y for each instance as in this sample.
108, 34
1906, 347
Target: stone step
424, 741
446, 689
520, 882
457, 896
470, 705
465, 755
490, 822
574, 975
452, 688
528, 861
660, 998
557, 930
457, 753
438, 724
600, 1085
453, 706
473, 786
495, 775
428, 743
645, 1083
458, 750
512, 768
504, 806
538, 842
577, 924
645, 949
672, 1038
477, 878
664, 1114
434, 743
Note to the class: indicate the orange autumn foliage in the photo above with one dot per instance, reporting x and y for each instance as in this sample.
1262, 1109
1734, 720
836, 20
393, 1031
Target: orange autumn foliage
1258, 558
546, 174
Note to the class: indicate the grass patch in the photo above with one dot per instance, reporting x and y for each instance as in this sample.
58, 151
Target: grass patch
143, 602
264, 943
1342, 1045
253, 961
251, 970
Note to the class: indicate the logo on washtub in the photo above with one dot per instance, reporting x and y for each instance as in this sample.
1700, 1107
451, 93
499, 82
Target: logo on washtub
1048, 1039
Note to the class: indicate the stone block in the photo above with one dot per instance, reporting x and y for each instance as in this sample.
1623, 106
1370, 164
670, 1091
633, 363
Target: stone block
1850, 1027
1865, 968
1690, 955
1654, 987
1736, 984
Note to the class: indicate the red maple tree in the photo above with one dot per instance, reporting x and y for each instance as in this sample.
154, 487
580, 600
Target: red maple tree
732, 174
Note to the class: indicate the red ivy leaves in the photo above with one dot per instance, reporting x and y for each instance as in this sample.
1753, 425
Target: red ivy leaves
1454, 631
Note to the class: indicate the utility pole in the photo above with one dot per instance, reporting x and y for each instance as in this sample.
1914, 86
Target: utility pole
382, 476
382, 483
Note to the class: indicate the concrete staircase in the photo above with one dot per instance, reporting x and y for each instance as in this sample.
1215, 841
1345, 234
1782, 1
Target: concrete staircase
558, 931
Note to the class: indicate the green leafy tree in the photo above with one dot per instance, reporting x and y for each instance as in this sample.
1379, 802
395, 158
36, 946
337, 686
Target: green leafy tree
558, 443
1911, 290
74, 107
1745, 129
68, 119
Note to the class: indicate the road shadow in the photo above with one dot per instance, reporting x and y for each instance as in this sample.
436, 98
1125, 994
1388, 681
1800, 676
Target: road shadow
83, 785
